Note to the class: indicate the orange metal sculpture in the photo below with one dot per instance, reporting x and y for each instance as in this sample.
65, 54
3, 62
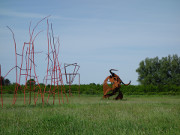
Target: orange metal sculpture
114, 86
27, 70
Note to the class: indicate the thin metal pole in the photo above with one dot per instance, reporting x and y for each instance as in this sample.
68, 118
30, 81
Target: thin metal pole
1, 87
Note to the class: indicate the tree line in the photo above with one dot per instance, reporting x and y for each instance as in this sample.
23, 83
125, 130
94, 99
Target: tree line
156, 76
97, 89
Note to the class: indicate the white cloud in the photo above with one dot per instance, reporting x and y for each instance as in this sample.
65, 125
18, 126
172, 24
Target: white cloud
11, 13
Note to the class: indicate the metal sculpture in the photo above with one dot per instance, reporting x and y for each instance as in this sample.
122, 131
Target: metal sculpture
53, 72
114, 86
70, 76
27, 69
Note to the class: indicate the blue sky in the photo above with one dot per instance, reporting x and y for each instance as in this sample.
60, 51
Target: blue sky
97, 34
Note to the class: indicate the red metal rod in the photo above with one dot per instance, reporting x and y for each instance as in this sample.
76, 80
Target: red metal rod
28, 68
1, 87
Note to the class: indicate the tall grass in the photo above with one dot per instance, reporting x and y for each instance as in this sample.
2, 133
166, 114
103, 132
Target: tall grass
88, 115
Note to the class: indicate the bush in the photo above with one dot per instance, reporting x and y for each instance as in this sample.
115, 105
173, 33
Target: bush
97, 89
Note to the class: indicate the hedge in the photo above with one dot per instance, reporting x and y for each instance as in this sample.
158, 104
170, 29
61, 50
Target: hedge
97, 89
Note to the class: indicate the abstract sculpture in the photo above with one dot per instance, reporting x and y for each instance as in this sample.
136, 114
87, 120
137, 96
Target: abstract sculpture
114, 87
26, 71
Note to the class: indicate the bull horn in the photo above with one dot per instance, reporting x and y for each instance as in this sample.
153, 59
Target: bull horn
126, 84
112, 70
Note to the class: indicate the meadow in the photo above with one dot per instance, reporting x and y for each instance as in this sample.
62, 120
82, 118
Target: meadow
92, 115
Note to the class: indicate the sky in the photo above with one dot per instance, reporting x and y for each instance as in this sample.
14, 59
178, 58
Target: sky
99, 35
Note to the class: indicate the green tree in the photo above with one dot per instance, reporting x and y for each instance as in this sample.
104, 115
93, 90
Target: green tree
7, 82
157, 71
1, 80
31, 82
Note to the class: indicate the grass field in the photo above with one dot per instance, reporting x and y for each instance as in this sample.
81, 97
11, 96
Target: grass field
92, 115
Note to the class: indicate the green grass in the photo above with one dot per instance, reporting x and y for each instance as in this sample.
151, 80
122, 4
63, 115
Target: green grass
89, 115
